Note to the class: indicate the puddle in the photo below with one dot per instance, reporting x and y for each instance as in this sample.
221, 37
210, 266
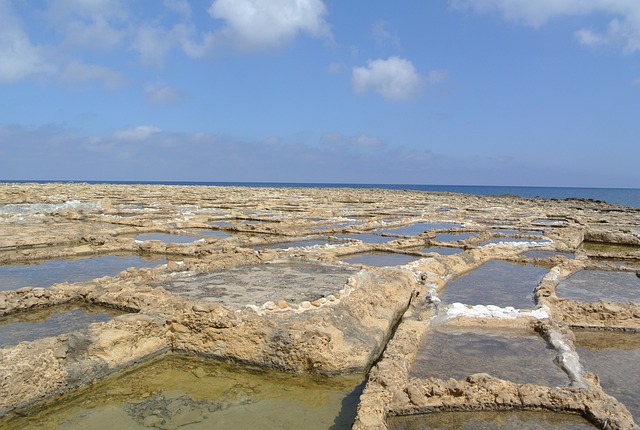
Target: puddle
51, 321
415, 229
52, 272
499, 283
221, 223
168, 238
442, 250
548, 254
520, 356
477, 420
211, 233
615, 357
594, 285
238, 286
549, 222
380, 259
451, 237
367, 237
186, 392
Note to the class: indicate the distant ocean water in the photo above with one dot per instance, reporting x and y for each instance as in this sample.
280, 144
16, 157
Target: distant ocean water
620, 196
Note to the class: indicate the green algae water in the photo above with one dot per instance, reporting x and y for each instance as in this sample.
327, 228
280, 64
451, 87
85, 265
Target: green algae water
191, 393
524, 420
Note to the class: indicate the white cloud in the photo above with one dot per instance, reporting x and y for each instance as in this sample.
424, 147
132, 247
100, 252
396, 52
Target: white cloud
394, 78
18, 57
160, 94
260, 24
141, 132
80, 72
623, 29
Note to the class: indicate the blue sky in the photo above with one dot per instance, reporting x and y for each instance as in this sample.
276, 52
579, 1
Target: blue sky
469, 92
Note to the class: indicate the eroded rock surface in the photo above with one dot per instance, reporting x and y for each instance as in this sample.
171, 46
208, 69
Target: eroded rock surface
204, 299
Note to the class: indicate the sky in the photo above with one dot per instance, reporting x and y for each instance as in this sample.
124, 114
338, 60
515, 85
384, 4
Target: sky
457, 92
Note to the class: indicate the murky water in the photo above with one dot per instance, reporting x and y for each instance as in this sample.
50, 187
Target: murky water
256, 284
547, 254
594, 285
367, 237
380, 259
50, 272
415, 229
486, 420
168, 238
183, 392
615, 357
452, 237
520, 356
442, 250
51, 321
611, 248
211, 233
499, 283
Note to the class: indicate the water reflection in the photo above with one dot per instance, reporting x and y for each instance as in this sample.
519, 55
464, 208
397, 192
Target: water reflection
47, 273
51, 321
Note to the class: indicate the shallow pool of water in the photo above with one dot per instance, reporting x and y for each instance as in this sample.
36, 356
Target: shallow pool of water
611, 248
380, 259
415, 229
520, 356
442, 250
479, 420
499, 283
239, 286
367, 237
190, 393
168, 238
615, 357
451, 237
51, 272
547, 254
51, 321
211, 233
594, 285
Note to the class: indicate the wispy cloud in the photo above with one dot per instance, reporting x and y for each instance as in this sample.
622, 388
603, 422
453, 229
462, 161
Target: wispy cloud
161, 94
76, 72
383, 36
19, 57
623, 29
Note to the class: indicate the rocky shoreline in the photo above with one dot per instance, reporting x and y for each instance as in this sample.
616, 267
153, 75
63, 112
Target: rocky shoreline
373, 321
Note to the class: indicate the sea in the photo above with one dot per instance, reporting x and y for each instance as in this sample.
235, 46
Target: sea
619, 196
